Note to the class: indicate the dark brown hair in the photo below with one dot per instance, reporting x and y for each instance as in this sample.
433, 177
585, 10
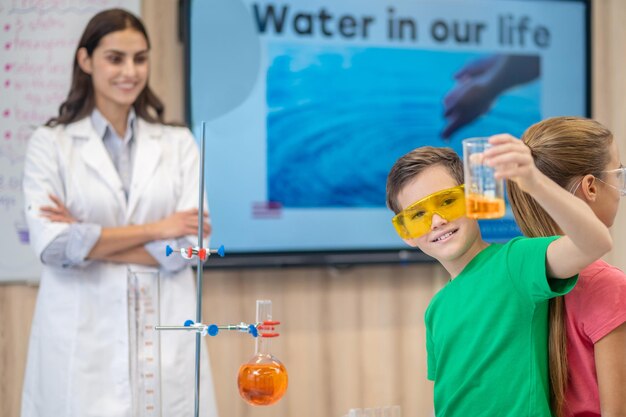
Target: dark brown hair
408, 166
80, 101
564, 149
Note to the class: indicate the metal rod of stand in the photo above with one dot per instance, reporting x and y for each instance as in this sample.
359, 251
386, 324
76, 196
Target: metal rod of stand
199, 274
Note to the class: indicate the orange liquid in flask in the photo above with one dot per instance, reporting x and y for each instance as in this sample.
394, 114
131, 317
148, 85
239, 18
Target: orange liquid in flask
262, 381
479, 207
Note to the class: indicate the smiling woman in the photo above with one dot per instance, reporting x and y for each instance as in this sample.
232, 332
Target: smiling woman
101, 53
107, 185
119, 72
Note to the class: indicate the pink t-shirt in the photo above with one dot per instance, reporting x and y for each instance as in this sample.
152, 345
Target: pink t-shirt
594, 308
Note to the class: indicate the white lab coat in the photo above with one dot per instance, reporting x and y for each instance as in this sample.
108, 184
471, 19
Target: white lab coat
78, 357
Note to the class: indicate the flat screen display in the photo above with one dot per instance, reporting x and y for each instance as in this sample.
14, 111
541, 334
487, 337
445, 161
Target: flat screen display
307, 104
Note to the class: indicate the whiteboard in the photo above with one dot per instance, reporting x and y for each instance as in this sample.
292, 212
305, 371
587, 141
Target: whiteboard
38, 40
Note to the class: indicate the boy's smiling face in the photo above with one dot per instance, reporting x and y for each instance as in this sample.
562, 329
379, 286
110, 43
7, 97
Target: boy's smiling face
448, 242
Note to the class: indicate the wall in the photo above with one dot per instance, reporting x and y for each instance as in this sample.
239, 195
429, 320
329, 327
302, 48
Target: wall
609, 95
350, 337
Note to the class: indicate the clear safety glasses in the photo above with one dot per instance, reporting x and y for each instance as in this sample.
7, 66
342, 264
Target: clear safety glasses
620, 186
416, 220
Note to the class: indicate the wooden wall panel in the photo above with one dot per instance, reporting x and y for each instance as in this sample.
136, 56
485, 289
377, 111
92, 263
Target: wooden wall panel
166, 56
349, 337
609, 95
17, 304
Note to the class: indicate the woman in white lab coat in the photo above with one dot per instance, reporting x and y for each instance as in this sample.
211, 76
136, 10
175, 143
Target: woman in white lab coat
107, 184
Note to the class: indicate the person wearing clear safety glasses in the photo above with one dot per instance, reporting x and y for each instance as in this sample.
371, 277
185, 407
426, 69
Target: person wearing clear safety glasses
487, 328
588, 325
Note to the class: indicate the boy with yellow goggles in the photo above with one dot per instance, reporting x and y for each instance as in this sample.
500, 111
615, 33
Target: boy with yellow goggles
416, 220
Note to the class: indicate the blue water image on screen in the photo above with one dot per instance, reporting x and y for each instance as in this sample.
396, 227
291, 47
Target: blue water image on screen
339, 117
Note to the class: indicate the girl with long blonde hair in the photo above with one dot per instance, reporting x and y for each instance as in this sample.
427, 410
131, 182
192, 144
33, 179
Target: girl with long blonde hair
588, 325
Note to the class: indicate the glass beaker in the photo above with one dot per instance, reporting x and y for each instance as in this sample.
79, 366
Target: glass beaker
263, 379
484, 194
144, 342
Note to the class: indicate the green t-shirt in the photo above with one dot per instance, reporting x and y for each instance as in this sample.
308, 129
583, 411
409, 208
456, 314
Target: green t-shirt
487, 333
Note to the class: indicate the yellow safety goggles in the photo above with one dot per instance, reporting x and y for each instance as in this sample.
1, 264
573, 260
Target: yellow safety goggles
416, 220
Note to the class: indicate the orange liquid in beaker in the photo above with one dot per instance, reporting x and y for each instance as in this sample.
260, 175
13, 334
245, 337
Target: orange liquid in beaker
262, 383
479, 207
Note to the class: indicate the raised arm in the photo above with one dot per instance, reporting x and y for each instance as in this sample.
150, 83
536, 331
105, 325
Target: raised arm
585, 238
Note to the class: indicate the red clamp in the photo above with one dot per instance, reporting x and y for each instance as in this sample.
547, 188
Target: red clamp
266, 328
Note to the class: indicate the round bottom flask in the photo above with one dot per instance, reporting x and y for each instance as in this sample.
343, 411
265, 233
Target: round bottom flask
263, 379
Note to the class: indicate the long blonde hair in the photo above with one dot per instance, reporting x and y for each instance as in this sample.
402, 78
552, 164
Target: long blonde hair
564, 149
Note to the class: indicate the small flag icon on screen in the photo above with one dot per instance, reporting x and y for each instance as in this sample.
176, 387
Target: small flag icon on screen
267, 210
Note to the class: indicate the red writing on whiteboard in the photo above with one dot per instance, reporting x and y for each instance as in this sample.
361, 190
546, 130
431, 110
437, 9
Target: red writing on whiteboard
31, 116
45, 44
